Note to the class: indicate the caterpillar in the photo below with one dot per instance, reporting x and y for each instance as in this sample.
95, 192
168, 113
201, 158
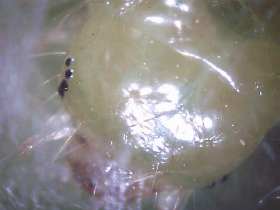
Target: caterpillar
186, 104
163, 96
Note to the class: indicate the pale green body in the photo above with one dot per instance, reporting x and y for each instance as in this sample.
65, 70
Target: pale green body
175, 103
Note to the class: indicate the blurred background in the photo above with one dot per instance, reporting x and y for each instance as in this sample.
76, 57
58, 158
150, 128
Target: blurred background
32, 50
34, 38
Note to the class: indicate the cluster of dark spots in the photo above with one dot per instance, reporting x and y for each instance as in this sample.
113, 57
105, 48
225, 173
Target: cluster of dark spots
221, 180
62, 88
69, 72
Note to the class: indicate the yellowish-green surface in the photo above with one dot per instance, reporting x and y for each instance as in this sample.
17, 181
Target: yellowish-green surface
34, 35
187, 102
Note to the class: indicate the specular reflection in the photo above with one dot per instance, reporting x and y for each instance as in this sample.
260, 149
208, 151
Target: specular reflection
152, 113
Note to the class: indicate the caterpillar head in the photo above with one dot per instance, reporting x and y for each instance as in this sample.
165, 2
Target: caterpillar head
154, 114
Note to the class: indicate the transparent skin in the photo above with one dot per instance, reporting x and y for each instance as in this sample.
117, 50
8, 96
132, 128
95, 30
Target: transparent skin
34, 172
185, 100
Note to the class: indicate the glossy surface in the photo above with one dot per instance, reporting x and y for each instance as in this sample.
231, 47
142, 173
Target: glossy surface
186, 102
39, 177
183, 113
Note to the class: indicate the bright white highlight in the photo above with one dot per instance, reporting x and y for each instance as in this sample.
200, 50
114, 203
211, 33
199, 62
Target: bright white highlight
221, 72
155, 19
153, 122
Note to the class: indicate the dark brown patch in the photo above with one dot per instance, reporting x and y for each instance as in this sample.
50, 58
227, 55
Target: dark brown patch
80, 175
81, 139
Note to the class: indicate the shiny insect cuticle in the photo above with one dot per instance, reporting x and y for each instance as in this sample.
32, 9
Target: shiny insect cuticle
68, 61
140, 103
69, 73
63, 87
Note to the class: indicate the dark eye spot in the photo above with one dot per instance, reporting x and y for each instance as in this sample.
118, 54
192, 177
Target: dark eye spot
68, 61
69, 73
63, 87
